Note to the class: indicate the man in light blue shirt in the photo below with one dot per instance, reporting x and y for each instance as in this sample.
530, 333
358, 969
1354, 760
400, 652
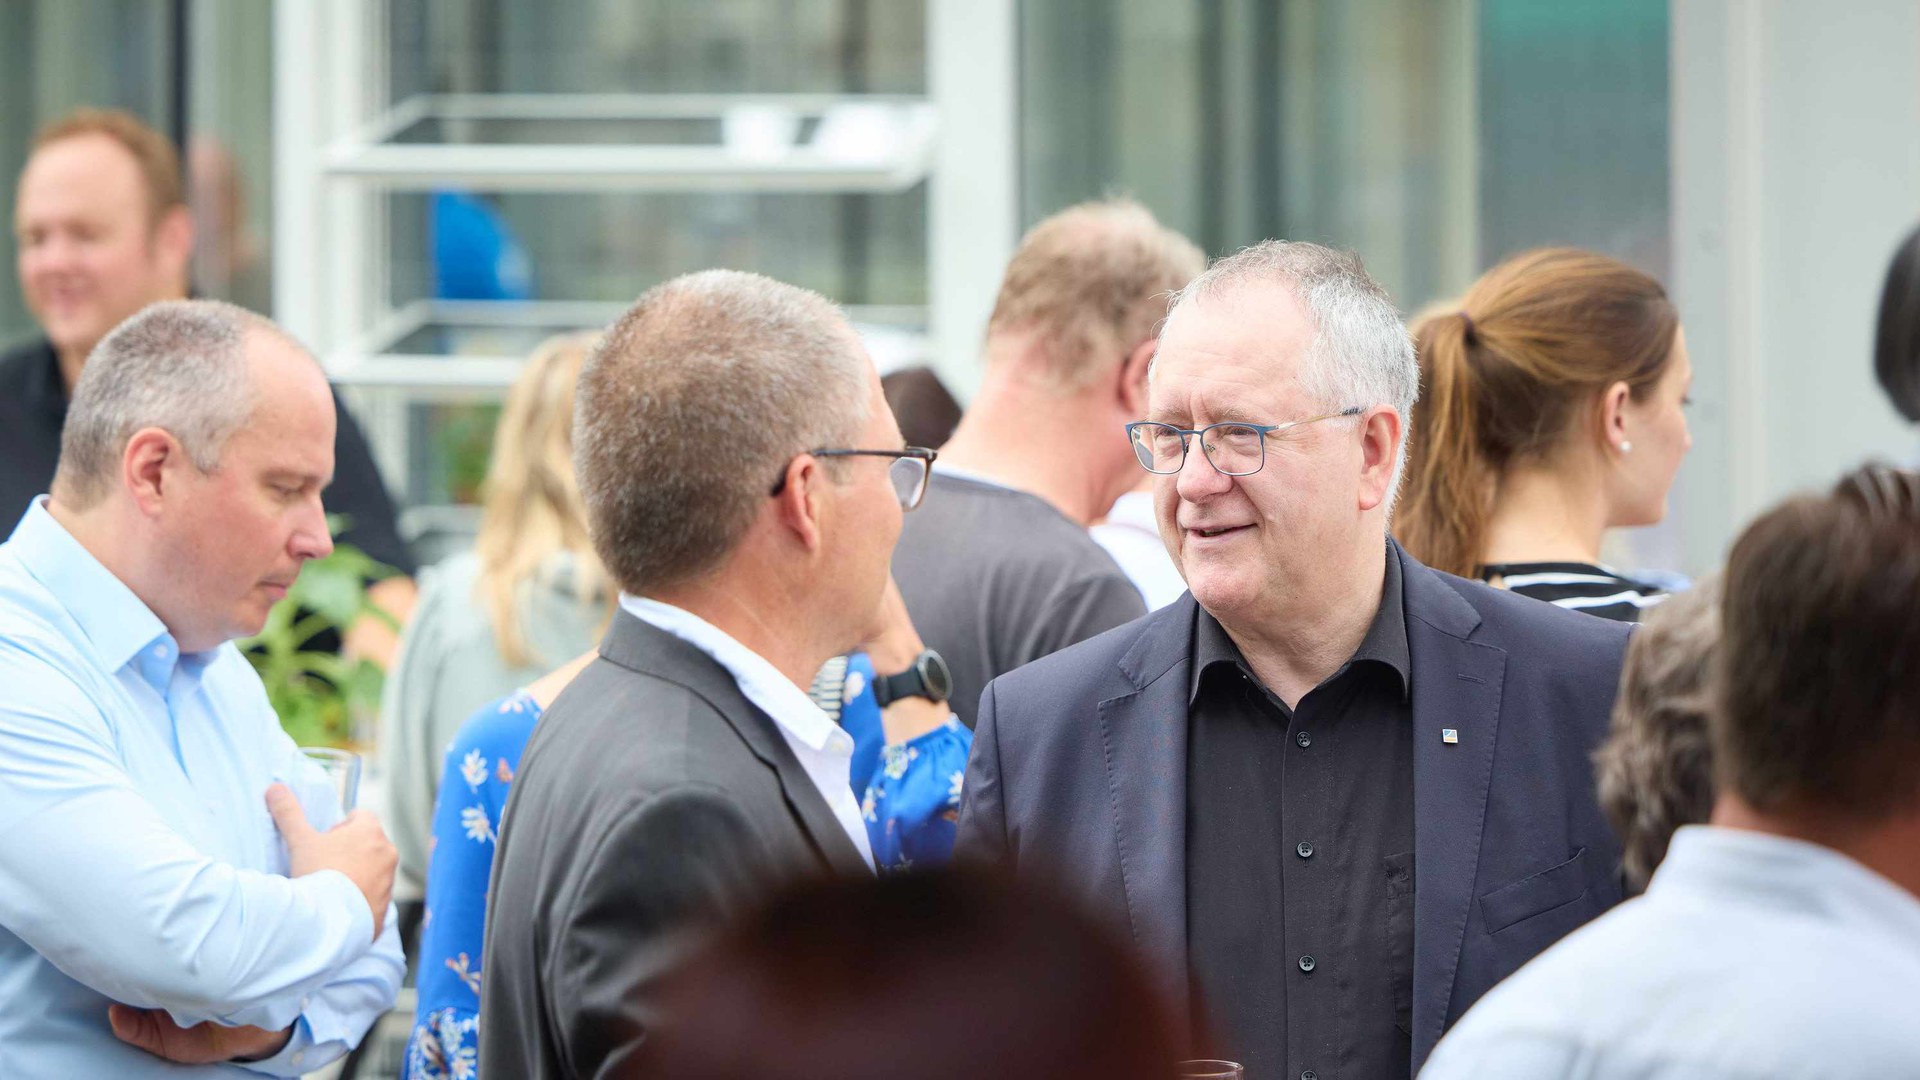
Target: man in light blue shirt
1783, 939
166, 908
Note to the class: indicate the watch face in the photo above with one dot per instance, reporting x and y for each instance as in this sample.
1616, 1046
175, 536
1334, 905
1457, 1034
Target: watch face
933, 672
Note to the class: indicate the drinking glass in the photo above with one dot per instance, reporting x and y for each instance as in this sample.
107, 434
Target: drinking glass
1211, 1070
343, 772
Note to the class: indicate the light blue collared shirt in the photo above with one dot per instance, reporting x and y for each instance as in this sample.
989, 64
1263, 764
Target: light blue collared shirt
1751, 955
138, 863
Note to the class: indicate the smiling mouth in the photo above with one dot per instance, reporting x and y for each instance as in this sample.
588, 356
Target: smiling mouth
1218, 531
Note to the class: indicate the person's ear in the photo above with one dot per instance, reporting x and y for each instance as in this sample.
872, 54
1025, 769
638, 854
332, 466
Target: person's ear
173, 242
1380, 435
1613, 418
798, 505
1132, 390
149, 468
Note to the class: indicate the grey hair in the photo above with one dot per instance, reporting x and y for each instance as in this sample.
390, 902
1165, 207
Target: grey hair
1654, 772
1361, 353
178, 365
692, 404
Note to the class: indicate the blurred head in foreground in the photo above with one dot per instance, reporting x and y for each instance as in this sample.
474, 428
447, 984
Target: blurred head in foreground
932, 976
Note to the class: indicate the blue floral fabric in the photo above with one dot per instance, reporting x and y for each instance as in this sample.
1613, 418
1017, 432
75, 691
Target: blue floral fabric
466, 822
910, 797
910, 792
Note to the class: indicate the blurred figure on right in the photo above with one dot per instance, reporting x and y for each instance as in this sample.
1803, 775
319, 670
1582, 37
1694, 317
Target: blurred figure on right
1896, 346
1000, 571
1551, 410
1655, 770
1782, 939
936, 976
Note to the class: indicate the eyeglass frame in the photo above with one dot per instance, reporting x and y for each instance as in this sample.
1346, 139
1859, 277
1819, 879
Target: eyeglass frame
1264, 430
921, 454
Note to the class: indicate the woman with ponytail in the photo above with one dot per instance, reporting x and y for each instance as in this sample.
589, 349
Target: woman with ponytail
1551, 410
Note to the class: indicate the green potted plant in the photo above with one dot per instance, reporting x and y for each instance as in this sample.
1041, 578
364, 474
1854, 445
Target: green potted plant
318, 693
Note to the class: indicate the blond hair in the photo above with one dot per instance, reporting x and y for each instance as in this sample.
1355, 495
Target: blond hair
158, 161
1093, 281
532, 508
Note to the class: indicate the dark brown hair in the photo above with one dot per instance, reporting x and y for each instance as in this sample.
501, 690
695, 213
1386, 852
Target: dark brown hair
1534, 344
158, 161
1896, 345
1656, 768
947, 975
1818, 677
922, 406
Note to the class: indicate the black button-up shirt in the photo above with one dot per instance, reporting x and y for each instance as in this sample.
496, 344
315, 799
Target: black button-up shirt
33, 406
1300, 858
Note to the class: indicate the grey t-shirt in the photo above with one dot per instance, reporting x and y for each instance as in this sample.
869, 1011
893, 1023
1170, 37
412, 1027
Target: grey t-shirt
996, 578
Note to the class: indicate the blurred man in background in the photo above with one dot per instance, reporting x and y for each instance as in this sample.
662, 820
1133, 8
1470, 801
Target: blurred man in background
999, 570
101, 230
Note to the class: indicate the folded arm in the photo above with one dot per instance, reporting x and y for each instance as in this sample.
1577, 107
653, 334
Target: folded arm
95, 881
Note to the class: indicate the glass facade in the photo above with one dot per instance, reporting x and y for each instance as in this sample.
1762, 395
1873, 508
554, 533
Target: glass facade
1433, 136
218, 103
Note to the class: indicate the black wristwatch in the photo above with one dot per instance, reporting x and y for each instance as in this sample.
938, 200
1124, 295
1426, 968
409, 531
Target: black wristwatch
926, 677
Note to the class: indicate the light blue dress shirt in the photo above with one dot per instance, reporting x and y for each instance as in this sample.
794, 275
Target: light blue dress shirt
138, 863
1750, 956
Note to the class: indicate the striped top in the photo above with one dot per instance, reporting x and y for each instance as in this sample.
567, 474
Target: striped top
1596, 590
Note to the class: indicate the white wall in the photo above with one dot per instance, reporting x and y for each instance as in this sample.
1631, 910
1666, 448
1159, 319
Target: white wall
1796, 170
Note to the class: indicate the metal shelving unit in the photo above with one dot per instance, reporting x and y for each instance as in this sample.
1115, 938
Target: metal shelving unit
343, 144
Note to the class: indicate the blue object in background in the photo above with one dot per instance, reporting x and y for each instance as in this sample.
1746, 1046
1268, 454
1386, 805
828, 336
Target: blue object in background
475, 254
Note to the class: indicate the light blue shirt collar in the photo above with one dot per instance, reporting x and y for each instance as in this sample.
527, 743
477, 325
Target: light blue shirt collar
119, 626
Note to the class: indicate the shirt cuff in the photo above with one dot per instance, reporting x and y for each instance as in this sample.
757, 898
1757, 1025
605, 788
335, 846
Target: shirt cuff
294, 1059
351, 900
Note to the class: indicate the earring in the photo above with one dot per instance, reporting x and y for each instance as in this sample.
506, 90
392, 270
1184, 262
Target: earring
1626, 447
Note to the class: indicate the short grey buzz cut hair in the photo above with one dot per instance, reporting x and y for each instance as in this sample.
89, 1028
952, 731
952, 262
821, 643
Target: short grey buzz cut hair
1361, 353
692, 404
177, 365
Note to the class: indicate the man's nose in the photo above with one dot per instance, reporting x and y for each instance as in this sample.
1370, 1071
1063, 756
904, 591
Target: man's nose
1198, 478
311, 540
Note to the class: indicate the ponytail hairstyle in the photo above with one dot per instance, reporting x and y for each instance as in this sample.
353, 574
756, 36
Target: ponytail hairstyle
1509, 375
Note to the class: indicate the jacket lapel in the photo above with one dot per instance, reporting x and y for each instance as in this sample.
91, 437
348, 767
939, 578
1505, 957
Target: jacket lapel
1144, 743
633, 643
1456, 685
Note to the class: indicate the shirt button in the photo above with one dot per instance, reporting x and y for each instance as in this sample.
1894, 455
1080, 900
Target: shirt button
298, 1057
1305, 849
1308, 1075
303, 1003
1306, 963
160, 651
1303, 739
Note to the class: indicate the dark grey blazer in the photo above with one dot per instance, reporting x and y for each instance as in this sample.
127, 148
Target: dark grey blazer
1079, 772
651, 799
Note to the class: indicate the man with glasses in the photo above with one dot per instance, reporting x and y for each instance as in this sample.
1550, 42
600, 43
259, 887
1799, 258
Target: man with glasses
1000, 571
744, 483
1335, 794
